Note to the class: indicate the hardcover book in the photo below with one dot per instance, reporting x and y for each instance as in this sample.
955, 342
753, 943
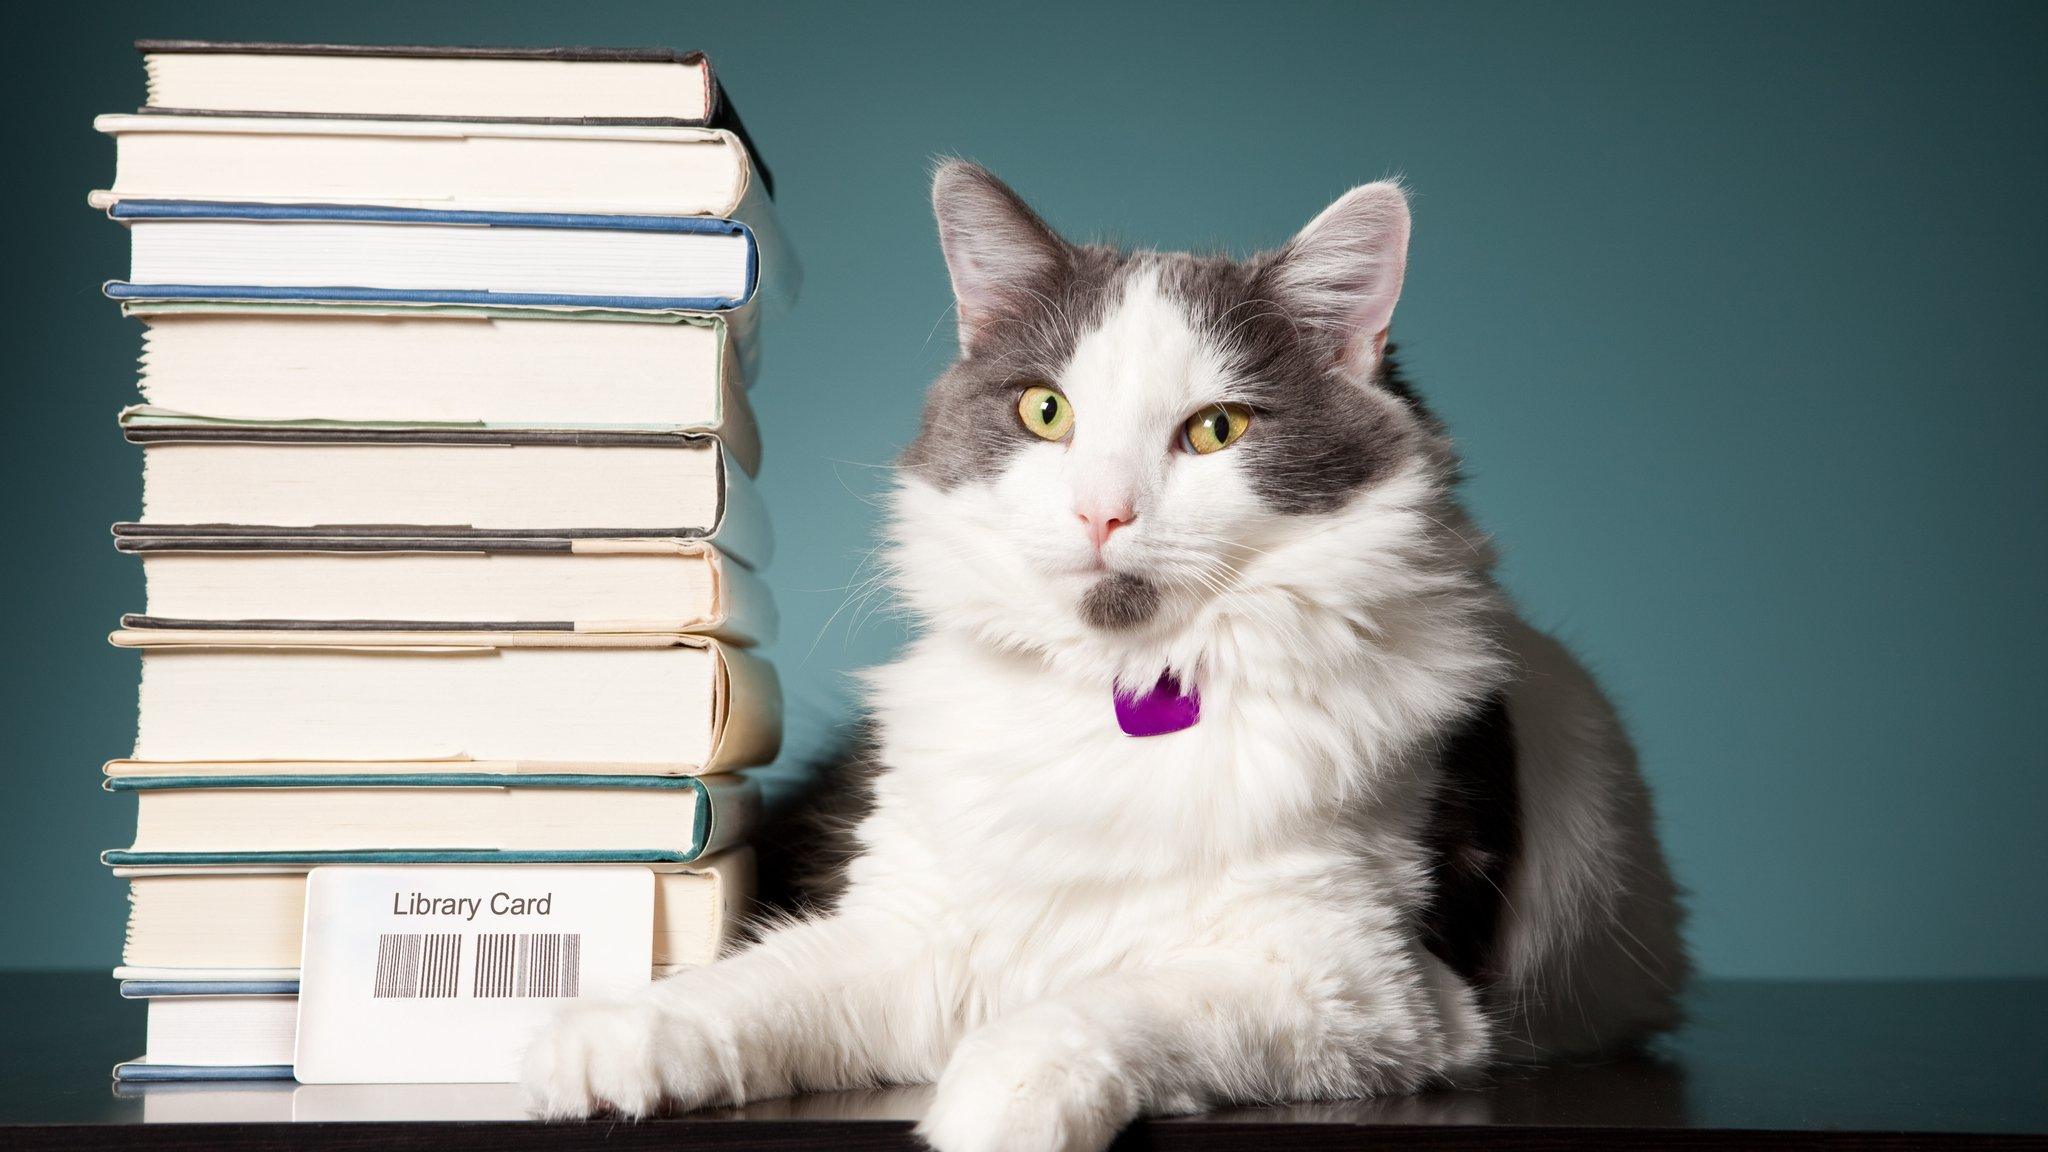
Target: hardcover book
532, 584
214, 1029
215, 953
431, 818
148, 1070
545, 85
430, 164
242, 924
280, 1101
505, 367
145, 423
293, 481
639, 703
191, 249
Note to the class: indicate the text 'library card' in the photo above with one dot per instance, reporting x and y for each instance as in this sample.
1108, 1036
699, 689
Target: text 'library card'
440, 975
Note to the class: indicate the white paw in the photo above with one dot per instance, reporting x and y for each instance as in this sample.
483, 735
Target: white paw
627, 1056
1010, 1094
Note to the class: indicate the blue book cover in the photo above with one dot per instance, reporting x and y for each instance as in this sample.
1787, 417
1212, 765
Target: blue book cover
133, 211
154, 989
144, 1072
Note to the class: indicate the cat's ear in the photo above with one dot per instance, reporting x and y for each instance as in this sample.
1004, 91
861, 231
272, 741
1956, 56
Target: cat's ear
1000, 254
1342, 273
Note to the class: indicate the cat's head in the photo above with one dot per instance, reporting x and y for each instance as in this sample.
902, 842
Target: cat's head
1136, 446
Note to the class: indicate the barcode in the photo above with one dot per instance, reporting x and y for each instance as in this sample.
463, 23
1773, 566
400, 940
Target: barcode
528, 965
417, 965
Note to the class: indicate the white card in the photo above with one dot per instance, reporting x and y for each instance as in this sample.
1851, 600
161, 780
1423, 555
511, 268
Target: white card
440, 975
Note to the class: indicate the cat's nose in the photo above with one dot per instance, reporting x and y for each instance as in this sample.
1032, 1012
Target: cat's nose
1102, 517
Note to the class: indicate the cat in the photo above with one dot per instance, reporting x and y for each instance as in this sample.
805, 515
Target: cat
1403, 838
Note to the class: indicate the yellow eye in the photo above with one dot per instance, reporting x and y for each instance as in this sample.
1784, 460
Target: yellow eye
1215, 428
1045, 412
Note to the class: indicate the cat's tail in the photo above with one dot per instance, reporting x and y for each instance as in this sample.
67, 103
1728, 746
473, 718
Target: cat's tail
810, 811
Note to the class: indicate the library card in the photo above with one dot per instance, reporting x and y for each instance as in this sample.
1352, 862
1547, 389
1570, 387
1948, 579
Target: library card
441, 974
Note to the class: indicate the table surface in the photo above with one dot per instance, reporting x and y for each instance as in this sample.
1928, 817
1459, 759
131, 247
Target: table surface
1761, 1065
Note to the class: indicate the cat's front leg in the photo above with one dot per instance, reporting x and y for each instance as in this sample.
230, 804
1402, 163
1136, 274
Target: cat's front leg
1071, 1071
819, 1005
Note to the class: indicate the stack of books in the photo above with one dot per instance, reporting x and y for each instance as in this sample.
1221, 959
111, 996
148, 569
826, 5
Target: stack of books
447, 525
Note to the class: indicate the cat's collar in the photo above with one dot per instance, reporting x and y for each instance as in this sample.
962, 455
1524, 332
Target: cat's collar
1166, 707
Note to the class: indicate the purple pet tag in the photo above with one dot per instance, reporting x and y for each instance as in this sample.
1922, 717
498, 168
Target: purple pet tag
1164, 709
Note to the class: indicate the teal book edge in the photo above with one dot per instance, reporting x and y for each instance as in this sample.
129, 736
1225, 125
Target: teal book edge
401, 780
718, 824
125, 858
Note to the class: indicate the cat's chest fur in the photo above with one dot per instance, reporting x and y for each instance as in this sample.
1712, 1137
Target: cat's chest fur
1008, 778
1038, 845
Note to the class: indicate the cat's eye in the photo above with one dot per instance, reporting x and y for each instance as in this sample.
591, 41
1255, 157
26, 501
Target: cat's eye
1215, 428
1045, 412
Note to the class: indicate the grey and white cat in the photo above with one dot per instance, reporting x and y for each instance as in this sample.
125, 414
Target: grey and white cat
1405, 838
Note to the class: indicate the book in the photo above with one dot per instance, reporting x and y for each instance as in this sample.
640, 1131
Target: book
148, 421
214, 1027
148, 1071
533, 584
226, 984
428, 164
188, 249
446, 817
209, 1100
510, 367
578, 85
239, 924
635, 703
295, 481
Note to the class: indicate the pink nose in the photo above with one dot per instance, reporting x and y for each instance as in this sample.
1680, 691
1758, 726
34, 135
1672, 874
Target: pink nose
1101, 519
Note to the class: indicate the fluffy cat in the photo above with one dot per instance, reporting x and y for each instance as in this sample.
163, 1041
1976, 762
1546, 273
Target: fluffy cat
1405, 838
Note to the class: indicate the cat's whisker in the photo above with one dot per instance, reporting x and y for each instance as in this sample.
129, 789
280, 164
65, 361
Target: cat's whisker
951, 310
1227, 601
861, 589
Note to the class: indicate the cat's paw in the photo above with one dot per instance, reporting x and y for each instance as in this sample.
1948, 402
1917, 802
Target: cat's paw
1019, 1093
626, 1056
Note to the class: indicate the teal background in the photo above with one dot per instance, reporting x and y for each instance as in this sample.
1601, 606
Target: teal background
1736, 310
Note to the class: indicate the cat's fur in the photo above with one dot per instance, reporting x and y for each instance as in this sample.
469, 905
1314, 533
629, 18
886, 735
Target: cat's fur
1407, 837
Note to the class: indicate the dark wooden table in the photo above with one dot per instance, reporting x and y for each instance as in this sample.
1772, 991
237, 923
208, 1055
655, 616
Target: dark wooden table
1762, 1065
